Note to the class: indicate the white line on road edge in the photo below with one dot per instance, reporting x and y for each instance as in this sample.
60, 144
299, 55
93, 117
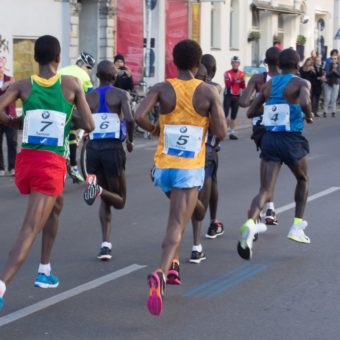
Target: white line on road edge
309, 199
21, 313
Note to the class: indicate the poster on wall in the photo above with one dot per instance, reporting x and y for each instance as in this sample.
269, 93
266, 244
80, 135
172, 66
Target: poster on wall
130, 35
176, 30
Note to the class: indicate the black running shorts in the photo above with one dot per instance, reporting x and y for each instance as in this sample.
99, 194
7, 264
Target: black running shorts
211, 163
105, 156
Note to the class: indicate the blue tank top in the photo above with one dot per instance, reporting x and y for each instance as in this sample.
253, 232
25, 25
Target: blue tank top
279, 115
104, 109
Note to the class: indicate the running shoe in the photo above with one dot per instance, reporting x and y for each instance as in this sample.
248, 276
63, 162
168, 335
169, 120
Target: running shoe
296, 233
173, 277
11, 173
233, 137
156, 284
75, 174
2, 173
104, 254
92, 190
270, 217
44, 281
197, 256
215, 229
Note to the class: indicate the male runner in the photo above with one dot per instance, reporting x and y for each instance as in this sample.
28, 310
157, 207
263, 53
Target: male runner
105, 153
81, 70
188, 107
209, 193
254, 86
287, 99
40, 167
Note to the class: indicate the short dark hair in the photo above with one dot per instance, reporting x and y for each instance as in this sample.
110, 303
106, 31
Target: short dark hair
335, 51
289, 59
272, 56
187, 54
106, 70
119, 57
46, 49
209, 62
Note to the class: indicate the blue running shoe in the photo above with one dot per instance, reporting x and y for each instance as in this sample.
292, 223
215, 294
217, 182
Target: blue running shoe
1, 302
44, 281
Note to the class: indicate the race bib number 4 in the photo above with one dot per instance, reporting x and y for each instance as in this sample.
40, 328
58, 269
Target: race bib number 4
276, 118
44, 127
182, 140
107, 126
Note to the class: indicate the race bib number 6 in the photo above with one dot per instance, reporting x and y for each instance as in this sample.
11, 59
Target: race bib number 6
44, 127
182, 140
276, 118
107, 126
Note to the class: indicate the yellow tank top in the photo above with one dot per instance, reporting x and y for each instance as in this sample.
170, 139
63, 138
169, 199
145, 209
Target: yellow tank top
183, 131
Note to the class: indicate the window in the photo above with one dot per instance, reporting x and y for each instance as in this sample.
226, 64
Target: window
234, 25
215, 26
255, 17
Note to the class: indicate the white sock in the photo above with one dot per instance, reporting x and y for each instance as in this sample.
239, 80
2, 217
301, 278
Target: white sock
2, 288
270, 205
198, 248
45, 269
106, 244
232, 131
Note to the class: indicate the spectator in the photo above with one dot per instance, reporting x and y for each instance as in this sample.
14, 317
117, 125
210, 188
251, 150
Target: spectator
11, 134
331, 87
334, 53
234, 83
124, 75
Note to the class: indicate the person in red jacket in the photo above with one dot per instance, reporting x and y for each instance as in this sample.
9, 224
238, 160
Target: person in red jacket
234, 83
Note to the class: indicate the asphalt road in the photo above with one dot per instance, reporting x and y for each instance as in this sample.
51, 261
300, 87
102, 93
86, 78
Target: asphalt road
288, 291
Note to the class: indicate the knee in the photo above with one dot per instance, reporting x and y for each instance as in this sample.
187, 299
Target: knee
171, 242
58, 206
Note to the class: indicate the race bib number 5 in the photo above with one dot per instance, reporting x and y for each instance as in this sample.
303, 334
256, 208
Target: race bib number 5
44, 127
182, 140
276, 118
107, 126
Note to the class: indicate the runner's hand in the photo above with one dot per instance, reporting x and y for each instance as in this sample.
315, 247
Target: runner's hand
309, 119
129, 145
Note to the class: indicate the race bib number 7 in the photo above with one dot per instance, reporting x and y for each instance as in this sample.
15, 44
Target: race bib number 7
182, 140
44, 127
276, 118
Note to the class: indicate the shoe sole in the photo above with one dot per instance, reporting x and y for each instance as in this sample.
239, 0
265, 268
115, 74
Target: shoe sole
246, 253
90, 194
173, 278
271, 221
292, 238
155, 301
104, 257
45, 285
198, 261
215, 236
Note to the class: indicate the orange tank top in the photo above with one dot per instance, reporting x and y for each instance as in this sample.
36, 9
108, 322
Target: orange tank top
183, 131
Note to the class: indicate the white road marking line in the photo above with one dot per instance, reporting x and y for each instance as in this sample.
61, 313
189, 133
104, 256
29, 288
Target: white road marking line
309, 199
21, 313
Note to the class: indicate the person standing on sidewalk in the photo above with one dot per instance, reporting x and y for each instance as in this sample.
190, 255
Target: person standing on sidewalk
234, 83
11, 134
331, 87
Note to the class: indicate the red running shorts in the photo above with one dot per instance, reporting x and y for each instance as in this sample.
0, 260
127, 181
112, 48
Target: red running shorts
40, 171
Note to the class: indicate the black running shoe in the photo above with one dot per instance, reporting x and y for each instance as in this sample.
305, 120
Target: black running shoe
215, 229
104, 254
92, 190
270, 217
197, 256
233, 137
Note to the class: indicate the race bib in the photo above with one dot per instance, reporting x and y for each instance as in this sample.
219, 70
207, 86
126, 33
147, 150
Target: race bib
44, 127
107, 126
182, 140
276, 118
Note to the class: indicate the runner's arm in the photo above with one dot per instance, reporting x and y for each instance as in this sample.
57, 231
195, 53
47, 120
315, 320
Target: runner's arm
10, 96
141, 115
305, 101
217, 121
256, 107
126, 108
245, 99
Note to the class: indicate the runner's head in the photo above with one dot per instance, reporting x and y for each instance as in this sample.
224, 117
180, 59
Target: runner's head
289, 60
201, 73
235, 62
106, 71
272, 56
47, 50
187, 55
86, 61
209, 62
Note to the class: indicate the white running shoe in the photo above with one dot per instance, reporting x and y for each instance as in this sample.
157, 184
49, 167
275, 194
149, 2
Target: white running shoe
296, 233
260, 228
245, 245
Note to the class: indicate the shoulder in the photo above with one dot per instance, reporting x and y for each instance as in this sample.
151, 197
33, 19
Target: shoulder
123, 94
71, 82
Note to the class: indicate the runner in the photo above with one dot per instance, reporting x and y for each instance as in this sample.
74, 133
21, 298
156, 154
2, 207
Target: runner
40, 167
105, 153
81, 70
254, 86
287, 99
187, 108
209, 193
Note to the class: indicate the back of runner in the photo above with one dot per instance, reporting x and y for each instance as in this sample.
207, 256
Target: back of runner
105, 153
40, 167
254, 86
188, 106
287, 104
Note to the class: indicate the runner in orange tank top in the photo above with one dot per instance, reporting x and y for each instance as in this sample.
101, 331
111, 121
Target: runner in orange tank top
188, 107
